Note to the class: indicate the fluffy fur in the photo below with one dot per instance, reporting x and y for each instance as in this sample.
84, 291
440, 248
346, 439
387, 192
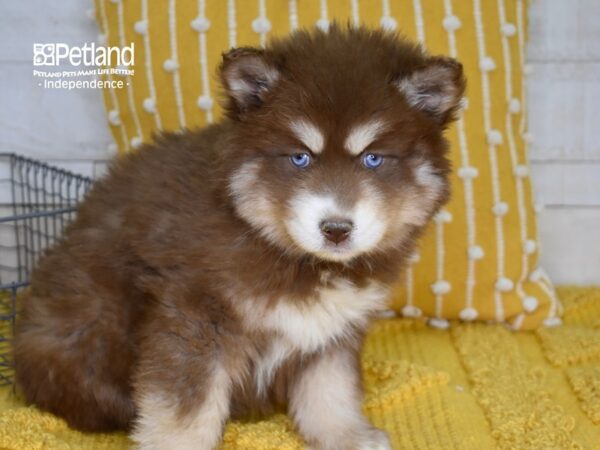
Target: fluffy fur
197, 282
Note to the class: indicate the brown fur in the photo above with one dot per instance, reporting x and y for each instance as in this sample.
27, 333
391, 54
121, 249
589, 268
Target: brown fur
142, 293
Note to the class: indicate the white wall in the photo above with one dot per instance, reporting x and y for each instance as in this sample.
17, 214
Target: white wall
69, 128
564, 115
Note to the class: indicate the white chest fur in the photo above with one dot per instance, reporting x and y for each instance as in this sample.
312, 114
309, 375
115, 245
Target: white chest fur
311, 326
308, 327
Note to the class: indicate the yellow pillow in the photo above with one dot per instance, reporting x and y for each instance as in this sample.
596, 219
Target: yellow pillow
478, 259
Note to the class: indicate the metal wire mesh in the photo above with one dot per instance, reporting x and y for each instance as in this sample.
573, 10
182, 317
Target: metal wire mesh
36, 202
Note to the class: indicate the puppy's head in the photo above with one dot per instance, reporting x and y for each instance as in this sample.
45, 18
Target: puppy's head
337, 146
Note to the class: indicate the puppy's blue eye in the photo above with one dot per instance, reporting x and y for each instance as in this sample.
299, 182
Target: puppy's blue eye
372, 161
300, 160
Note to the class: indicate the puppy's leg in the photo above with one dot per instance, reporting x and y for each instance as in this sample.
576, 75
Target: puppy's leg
190, 354
326, 405
162, 424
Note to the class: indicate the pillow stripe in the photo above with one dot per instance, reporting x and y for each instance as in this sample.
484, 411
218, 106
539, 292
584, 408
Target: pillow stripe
231, 23
385, 9
136, 140
293, 8
555, 307
262, 16
419, 21
114, 110
172, 64
355, 12
205, 101
150, 103
506, 54
521, 38
492, 148
467, 180
324, 15
410, 310
440, 285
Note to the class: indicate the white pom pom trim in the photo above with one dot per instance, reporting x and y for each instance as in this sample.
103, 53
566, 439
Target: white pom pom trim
200, 24
504, 284
441, 287
440, 324
528, 137
322, 24
205, 102
411, 311
494, 137
536, 275
114, 118
530, 304
136, 141
475, 252
141, 27
529, 246
468, 314
487, 64
414, 258
468, 172
521, 171
509, 29
149, 105
388, 23
514, 106
170, 65
386, 314
443, 216
451, 23
261, 25
552, 322
500, 209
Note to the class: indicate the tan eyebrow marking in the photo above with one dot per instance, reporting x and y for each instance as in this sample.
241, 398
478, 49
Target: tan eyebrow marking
362, 135
309, 134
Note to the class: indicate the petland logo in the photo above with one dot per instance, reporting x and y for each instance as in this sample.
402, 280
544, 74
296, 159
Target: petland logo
88, 55
89, 59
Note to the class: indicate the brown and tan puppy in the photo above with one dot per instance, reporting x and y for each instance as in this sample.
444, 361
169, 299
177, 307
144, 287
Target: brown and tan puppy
233, 270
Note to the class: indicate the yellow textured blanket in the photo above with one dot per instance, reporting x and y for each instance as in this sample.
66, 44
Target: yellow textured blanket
471, 387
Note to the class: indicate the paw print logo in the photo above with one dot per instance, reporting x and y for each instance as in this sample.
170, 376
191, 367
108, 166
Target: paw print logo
43, 55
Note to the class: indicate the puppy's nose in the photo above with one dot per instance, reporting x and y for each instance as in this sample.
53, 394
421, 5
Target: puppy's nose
336, 231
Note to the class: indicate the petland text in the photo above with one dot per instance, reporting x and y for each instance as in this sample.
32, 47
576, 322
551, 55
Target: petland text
53, 54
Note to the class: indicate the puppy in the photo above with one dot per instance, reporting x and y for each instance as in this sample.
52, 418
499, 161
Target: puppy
233, 270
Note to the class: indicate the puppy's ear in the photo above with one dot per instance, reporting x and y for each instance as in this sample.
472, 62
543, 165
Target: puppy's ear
436, 88
248, 76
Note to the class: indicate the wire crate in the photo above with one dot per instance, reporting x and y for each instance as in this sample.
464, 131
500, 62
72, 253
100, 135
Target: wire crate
37, 201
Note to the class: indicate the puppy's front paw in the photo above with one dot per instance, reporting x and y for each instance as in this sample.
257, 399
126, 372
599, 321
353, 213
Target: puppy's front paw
374, 439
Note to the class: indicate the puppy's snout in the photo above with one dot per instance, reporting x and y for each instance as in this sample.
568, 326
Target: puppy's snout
336, 231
